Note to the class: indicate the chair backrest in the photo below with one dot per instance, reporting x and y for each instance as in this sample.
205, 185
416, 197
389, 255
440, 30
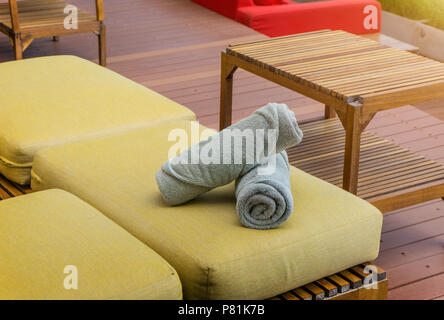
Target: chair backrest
13, 11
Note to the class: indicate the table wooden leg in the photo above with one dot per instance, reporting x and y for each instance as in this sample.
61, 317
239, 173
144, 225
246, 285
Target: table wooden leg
226, 92
329, 112
18, 49
353, 132
102, 45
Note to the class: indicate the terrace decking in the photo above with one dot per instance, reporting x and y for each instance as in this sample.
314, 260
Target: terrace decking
173, 47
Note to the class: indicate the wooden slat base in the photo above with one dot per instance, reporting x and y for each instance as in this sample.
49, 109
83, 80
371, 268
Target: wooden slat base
357, 283
390, 177
10, 189
41, 13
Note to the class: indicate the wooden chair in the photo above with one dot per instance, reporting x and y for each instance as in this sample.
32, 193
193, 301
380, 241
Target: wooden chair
24, 21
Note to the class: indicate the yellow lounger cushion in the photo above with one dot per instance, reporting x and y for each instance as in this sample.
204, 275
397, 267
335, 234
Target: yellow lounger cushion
54, 100
215, 256
43, 233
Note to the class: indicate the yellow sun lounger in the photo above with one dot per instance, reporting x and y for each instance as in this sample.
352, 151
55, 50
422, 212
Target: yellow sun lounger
215, 256
55, 246
55, 100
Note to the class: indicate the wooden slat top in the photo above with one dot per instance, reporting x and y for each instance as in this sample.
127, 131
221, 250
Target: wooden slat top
346, 66
40, 13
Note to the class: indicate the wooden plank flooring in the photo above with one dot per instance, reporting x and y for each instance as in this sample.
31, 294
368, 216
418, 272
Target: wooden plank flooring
173, 47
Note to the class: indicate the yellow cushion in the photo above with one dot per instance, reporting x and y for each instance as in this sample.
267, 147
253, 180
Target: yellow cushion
43, 233
215, 256
54, 100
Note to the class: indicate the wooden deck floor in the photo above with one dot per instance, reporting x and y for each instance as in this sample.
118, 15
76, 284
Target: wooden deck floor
173, 47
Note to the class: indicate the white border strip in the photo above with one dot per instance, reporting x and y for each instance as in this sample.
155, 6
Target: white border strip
429, 40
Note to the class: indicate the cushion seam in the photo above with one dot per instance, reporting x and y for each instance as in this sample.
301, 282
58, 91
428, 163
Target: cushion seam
146, 286
8, 163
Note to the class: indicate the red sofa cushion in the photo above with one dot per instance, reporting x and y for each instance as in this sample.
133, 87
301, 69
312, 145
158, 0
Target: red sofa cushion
355, 16
227, 8
267, 2
288, 17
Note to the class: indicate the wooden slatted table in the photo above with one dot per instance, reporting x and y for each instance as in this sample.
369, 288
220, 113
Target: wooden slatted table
356, 283
354, 77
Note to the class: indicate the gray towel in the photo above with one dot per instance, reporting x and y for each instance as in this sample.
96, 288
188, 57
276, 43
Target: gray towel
264, 201
180, 182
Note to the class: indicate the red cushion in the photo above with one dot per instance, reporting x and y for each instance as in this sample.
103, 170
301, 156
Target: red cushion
355, 16
227, 8
283, 17
267, 2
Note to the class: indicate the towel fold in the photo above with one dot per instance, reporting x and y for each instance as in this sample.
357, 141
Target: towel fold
274, 128
265, 201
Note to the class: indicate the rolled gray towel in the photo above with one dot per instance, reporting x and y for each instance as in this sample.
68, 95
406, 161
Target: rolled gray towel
264, 201
180, 182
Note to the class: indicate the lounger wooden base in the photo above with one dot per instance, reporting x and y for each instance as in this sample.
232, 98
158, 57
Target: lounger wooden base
390, 176
357, 283
24, 21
